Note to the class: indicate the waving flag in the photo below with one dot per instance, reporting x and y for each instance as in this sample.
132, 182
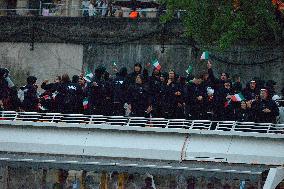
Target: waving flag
88, 75
156, 64
238, 97
189, 69
205, 55
85, 103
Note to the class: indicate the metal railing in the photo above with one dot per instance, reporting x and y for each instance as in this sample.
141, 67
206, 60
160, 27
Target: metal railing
51, 9
222, 126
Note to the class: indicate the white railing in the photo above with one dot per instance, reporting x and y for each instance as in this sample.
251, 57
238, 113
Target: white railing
51, 9
223, 126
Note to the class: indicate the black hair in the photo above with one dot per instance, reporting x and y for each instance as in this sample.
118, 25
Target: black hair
31, 80
138, 64
123, 72
227, 75
75, 79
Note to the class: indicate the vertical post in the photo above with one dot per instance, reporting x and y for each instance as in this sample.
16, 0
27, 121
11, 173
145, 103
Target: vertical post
40, 9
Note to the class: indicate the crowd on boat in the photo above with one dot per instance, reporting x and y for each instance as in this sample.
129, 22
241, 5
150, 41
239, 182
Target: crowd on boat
202, 96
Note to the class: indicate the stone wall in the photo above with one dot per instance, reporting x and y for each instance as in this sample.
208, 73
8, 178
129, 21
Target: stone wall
265, 63
128, 41
45, 62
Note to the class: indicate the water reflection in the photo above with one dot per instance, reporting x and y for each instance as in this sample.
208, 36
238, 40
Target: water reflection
71, 179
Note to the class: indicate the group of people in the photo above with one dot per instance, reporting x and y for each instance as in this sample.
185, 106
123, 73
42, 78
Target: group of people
139, 94
96, 8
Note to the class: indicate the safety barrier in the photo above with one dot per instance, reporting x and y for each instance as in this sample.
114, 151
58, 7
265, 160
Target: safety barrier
250, 127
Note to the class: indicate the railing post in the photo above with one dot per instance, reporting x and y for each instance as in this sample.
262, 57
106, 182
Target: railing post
268, 129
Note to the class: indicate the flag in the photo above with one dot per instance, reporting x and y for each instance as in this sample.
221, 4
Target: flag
189, 69
88, 75
238, 97
205, 55
156, 64
85, 103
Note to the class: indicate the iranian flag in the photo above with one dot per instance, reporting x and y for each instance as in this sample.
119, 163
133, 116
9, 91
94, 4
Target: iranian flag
156, 64
238, 97
85, 103
205, 55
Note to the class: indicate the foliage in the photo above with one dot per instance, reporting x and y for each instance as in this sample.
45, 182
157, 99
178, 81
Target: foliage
222, 23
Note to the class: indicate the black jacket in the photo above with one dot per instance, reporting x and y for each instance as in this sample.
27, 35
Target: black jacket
263, 117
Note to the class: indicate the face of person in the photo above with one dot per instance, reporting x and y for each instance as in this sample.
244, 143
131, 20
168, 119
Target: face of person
81, 81
162, 79
56, 80
138, 80
205, 77
137, 69
263, 94
223, 77
252, 85
227, 85
156, 72
243, 105
171, 75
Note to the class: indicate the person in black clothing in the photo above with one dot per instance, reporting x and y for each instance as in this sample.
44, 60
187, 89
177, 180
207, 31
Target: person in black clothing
270, 86
107, 95
4, 86
251, 91
237, 85
132, 76
154, 86
49, 99
30, 102
206, 82
217, 83
224, 106
139, 100
70, 96
8, 92
173, 99
96, 92
266, 110
119, 87
194, 98
244, 113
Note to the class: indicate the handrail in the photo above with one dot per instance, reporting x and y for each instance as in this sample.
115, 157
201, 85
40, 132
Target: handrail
223, 126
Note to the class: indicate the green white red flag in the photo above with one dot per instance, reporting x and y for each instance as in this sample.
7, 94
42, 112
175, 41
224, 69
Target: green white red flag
156, 64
